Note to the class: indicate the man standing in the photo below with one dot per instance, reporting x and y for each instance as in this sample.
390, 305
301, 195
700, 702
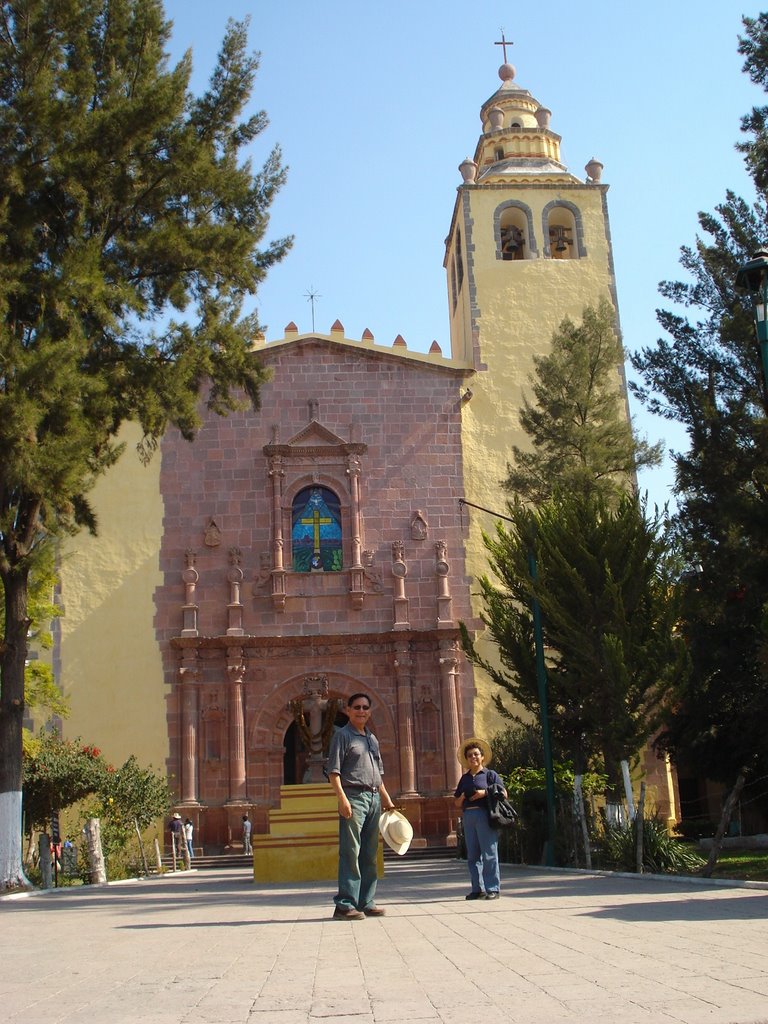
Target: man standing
177, 838
355, 771
246, 834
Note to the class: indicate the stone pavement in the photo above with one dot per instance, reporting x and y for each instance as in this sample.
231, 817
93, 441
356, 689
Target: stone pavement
204, 947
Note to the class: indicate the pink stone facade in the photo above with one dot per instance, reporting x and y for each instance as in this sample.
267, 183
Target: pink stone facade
241, 631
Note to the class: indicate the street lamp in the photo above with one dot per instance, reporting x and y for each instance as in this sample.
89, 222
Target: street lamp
753, 278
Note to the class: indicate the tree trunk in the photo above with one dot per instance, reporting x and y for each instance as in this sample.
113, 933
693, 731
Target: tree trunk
639, 837
13, 655
141, 847
95, 852
46, 864
578, 804
725, 819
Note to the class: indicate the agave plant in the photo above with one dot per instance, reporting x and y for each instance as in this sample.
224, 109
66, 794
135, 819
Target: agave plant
663, 854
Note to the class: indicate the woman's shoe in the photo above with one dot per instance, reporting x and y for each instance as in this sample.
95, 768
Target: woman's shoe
491, 895
475, 896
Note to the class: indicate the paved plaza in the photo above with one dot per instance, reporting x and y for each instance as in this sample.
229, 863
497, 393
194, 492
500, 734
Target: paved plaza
204, 947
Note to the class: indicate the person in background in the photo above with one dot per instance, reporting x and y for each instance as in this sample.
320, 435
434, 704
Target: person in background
247, 834
189, 831
480, 836
177, 836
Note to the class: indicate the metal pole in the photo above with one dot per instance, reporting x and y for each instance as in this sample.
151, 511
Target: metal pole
541, 679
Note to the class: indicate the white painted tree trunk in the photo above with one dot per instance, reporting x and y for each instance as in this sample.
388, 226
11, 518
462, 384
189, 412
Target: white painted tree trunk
628, 789
11, 871
95, 852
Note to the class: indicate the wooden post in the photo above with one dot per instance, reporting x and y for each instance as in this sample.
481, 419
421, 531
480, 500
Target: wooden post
158, 856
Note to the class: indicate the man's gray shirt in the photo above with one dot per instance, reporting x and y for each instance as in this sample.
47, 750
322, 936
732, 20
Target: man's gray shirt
356, 757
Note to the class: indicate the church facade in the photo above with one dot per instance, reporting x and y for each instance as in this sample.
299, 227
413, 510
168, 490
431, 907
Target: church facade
292, 556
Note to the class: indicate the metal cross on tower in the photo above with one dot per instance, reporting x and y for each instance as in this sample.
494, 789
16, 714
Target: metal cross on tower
504, 44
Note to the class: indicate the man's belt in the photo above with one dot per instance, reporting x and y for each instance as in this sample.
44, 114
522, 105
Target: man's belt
360, 788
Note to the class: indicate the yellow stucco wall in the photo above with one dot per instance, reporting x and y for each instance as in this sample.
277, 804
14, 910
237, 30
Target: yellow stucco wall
111, 669
517, 305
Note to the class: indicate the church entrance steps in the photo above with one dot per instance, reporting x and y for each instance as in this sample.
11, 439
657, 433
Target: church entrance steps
213, 860
303, 840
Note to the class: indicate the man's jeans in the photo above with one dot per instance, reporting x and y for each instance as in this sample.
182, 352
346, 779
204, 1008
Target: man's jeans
358, 851
482, 850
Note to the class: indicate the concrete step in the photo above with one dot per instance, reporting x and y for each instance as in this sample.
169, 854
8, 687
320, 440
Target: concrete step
222, 860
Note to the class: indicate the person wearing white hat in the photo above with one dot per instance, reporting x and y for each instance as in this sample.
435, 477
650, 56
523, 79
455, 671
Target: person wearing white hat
177, 835
355, 771
479, 835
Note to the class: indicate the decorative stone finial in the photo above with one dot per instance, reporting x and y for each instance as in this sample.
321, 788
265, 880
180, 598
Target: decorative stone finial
594, 170
468, 170
507, 72
496, 117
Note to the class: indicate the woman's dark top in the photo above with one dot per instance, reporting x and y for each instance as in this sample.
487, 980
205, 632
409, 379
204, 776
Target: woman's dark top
469, 784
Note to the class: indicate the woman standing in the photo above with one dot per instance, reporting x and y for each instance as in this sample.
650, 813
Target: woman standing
189, 830
480, 837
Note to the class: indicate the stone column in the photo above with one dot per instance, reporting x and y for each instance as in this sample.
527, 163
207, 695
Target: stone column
442, 568
405, 719
451, 737
189, 673
356, 571
276, 474
235, 607
237, 767
190, 608
400, 571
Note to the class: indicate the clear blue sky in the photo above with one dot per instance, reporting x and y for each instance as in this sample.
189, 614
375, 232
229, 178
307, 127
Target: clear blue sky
375, 105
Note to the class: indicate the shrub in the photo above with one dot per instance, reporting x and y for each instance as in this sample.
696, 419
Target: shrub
662, 853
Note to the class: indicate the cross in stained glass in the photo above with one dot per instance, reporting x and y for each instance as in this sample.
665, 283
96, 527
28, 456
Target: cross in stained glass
316, 521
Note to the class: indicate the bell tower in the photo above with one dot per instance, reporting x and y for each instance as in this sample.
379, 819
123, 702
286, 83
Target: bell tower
529, 244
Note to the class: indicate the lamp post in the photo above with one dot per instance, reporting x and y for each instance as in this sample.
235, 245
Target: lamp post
752, 277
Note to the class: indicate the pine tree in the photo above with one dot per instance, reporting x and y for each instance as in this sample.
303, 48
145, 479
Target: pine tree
707, 374
603, 583
580, 433
126, 203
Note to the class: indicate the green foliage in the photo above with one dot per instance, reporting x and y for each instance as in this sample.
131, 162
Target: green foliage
126, 203
707, 374
608, 610
58, 773
517, 744
40, 689
129, 799
526, 780
662, 853
581, 436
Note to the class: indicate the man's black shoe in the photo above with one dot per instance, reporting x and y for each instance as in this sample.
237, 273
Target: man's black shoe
491, 895
475, 896
348, 914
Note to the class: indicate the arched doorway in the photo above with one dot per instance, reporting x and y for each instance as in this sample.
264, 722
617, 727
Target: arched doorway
296, 756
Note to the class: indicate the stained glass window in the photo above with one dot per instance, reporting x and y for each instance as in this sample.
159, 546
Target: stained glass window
316, 531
